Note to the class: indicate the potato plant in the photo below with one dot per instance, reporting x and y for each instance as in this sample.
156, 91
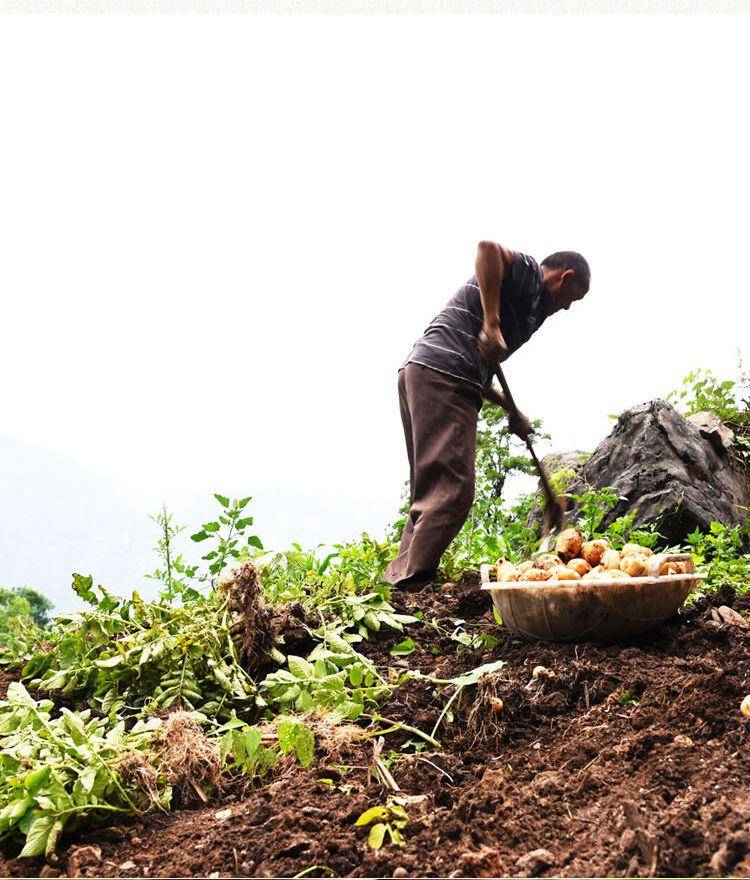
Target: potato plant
140, 656
58, 770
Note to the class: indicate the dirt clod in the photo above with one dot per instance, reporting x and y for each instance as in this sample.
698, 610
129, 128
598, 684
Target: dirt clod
81, 857
730, 852
532, 863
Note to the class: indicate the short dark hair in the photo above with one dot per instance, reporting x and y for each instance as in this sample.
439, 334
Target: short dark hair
569, 260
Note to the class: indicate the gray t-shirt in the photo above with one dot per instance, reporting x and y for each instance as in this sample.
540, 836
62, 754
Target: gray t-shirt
449, 344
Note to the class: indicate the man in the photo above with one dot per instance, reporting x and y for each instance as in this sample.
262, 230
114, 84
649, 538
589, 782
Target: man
447, 375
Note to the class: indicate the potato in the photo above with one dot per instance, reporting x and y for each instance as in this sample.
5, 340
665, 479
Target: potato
506, 571
563, 573
592, 551
568, 544
523, 567
604, 574
610, 559
547, 561
536, 574
635, 564
630, 549
580, 566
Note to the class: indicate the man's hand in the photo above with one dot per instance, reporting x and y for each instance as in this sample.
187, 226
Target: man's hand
519, 424
492, 345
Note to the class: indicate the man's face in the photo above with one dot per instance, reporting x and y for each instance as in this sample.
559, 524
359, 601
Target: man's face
565, 288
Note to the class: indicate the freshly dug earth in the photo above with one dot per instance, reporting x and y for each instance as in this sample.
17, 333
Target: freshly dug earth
630, 760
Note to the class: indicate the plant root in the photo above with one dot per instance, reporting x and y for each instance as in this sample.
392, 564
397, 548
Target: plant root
252, 618
136, 772
487, 719
191, 762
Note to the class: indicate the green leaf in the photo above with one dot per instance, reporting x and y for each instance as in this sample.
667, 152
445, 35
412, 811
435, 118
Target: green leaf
109, 662
371, 815
294, 735
36, 779
211, 527
299, 667
473, 676
252, 741
13, 811
83, 586
18, 695
371, 621
53, 836
244, 522
376, 836
222, 499
403, 649
36, 838
254, 541
199, 536
88, 778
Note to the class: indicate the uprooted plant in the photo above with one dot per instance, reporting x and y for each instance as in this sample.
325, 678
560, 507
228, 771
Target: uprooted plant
56, 770
139, 656
61, 769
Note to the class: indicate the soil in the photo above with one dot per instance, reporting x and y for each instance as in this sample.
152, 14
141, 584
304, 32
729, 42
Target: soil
631, 760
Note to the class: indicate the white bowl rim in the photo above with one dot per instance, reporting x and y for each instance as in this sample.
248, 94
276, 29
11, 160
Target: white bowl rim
498, 586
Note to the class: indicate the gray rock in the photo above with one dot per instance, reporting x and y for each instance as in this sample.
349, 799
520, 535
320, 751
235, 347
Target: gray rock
668, 471
725, 615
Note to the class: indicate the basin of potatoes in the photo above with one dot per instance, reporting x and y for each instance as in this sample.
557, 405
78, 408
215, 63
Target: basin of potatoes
605, 609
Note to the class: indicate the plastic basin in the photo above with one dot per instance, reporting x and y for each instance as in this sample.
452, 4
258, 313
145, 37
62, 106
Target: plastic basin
603, 610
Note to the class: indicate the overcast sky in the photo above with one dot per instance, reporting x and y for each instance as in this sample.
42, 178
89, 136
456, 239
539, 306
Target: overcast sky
221, 236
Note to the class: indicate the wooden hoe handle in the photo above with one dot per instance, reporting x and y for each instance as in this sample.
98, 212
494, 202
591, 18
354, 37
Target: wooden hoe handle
546, 485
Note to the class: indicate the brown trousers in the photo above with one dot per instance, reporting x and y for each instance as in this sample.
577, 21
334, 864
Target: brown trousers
439, 414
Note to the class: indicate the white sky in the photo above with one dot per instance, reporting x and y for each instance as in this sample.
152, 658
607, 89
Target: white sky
221, 236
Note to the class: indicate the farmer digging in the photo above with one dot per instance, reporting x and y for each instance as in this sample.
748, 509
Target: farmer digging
446, 377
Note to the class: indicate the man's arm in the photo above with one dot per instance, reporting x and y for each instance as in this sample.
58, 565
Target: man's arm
493, 266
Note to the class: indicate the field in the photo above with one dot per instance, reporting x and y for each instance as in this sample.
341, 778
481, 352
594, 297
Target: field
289, 714
629, 761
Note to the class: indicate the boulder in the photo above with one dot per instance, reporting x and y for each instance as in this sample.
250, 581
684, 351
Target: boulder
673, 472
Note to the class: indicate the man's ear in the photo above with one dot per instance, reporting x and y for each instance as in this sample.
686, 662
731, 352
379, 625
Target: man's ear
567, 275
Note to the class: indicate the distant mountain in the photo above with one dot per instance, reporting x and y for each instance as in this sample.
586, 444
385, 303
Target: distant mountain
56, 517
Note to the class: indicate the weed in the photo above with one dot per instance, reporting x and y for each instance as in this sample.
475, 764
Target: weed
593, 507
721, 553
227, 533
